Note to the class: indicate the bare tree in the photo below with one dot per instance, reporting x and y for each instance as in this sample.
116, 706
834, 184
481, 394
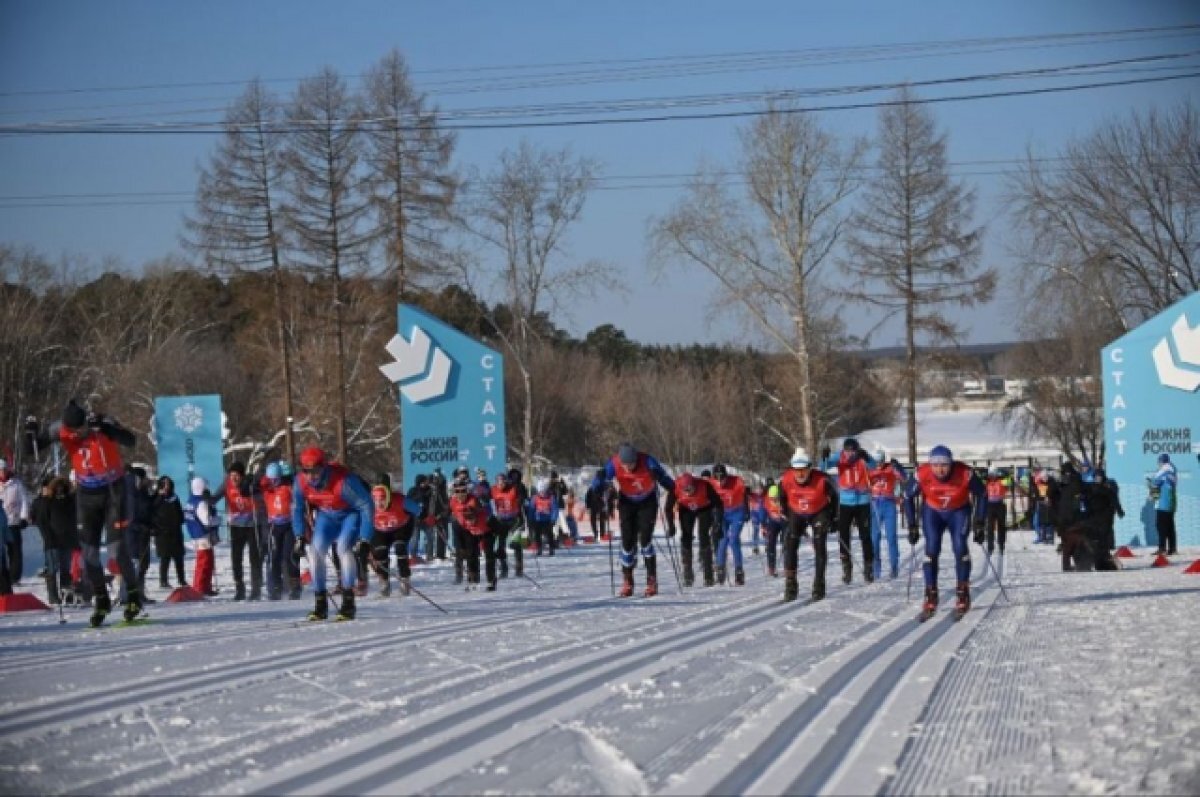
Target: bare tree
327, 207
409, 175
913, 249
1117, 216
768, 250
523, 210
237, 222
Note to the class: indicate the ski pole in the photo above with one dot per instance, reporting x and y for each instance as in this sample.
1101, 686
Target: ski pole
531, 580
987, 557
912, 565
427, 599
612, 573
671, 553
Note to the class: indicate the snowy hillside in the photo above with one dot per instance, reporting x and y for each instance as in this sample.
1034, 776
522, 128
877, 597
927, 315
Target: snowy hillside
969, 429
1083, 683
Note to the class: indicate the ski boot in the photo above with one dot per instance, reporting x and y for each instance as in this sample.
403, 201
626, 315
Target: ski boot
472, 581
720, 575
164, 584
929, 607
651, 586
103, 607
708, 575
869, 572
255, 589
491, 587
818, 590
320, 607
385, 587
239, 591
895, 572
504, 568
458, 571
962, 593
346, 610
405, 586
739, 577
360, 588
791, 587
847, 571
689, 577
626, 590
133, 606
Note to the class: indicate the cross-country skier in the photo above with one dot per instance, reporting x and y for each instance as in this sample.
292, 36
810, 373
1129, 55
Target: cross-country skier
733, 499
508, 505
472, 530
700, 510
884, 479
596, 502
239, 493
774, 524
92, 442
395, 520
635, 474
277, 492
997, 509
757, 515
854, 505
947, 489
810, 503
342, 512
543, 511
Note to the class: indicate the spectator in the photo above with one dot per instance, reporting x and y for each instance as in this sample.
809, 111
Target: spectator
1163, 487
16, 506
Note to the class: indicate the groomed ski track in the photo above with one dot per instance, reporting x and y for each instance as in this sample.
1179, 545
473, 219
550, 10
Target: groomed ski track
555, 690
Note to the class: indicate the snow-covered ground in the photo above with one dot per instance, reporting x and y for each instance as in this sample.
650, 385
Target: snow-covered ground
1079, 683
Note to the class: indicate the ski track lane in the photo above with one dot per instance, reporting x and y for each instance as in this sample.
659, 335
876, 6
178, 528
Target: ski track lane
153, 776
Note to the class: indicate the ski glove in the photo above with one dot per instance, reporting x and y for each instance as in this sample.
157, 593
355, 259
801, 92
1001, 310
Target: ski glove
914, 535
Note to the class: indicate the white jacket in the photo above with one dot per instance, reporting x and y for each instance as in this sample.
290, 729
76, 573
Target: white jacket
15, 500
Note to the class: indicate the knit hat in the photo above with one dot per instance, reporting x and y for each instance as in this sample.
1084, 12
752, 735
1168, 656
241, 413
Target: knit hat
800, 459
940, 455
74, 415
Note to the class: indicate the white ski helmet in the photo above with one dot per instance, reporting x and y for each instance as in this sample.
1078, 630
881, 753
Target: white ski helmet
800, 459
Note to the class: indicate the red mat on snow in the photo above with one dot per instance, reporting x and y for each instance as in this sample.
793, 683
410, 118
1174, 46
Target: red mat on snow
20, 602
184, 595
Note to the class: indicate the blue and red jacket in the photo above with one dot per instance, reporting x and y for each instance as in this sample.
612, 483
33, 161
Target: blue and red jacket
638, 483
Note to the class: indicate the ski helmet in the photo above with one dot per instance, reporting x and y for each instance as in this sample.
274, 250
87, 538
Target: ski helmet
514, 474
850, 444
285, 469
274, 472
74, 415
800, 459
627, 454
719, 471
312, 458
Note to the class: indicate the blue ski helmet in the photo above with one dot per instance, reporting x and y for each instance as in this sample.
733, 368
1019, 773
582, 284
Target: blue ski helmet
941, 455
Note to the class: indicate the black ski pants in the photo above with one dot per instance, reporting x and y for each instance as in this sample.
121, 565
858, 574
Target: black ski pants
501, 528
818, 527
241, 538
598, 519
997, 530
98, 512
170, 550
1164, 524
700, 524
283, 541
381, 546
860, 516
468, 549
637, 529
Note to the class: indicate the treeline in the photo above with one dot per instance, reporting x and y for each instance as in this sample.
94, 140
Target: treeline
118, 341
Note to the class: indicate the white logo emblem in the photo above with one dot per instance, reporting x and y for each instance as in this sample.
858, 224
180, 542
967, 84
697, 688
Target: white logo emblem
189, 417
1187, 346
411, 358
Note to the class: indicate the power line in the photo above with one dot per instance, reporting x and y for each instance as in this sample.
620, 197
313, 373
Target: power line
23, 130
860, 52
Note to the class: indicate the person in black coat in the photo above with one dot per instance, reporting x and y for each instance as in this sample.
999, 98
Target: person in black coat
54, 514
167, 522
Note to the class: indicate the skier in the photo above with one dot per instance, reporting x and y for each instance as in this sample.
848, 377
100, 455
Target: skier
635, 474
854, 504
201, 523
168, 532
700, 511
596, 502
757, 514
733, 500
395, 520
997, 510
470, 518
92, 442
810, 504
343, 512
239, 494
774, 524
543, 512
283, 570
508, 505
951, 497
885, 476
16, 502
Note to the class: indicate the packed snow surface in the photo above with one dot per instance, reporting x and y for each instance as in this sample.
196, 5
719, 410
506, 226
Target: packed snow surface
1077, 683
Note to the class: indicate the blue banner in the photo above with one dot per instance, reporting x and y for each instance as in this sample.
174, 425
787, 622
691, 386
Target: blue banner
187, 431
451, 397
1152, 407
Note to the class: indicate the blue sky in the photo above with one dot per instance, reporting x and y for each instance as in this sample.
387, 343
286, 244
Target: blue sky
76, 47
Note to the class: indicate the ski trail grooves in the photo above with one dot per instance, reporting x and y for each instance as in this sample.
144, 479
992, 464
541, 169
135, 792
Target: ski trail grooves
421, 754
